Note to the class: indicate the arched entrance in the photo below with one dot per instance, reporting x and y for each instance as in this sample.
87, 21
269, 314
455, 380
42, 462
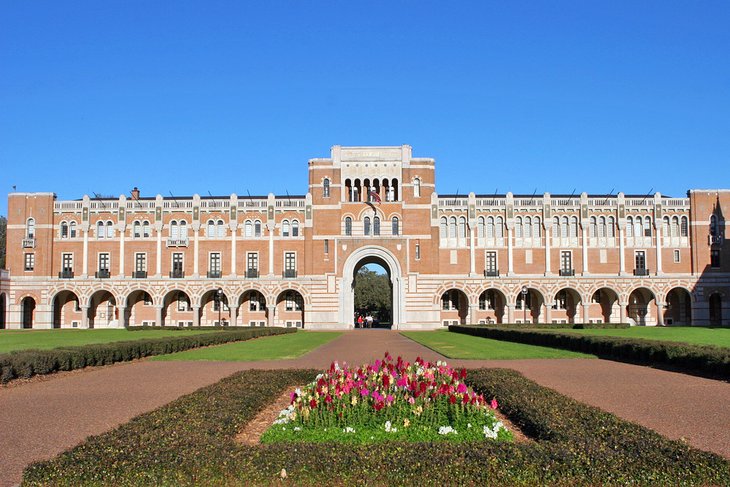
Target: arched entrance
28, 311
373, 292
454, 307
528, 307
565, 306
604, 306
66, 310
641, 302
678, 311
176, 309
103, 311
359, 258
140, 309
290, 309
491, 307
252, 310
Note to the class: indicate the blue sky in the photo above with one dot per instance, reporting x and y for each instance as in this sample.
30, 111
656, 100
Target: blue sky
191, 97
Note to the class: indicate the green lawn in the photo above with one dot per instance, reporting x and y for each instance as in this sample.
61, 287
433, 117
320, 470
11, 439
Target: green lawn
460, 346
46, 339
719, 337
279, 347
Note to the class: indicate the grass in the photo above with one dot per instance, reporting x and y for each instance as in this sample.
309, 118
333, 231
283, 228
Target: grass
459, 346
11, 340
719, 337
279, 347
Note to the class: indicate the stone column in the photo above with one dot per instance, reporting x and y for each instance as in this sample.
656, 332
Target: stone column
510, 266
158, 316
548, 236
270, 317
621, 253
196, 316
622, 311
659, 237
196, 234
548, 313
473, 314
122, 318
586, 312
234, 314
472, 263
584, 249
85, 317
271, 248
85, 261
158, 260
121, 253
510, 313
659, 313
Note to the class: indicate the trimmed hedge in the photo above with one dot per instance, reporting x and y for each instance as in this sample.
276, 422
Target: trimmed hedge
27, 363
557, 326
705, 360
191, 442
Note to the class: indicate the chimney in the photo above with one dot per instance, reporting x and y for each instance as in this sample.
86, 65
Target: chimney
135, 193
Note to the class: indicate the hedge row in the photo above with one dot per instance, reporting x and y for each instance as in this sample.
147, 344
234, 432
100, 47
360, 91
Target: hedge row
557, 326
702, 360
27, 363
191, 442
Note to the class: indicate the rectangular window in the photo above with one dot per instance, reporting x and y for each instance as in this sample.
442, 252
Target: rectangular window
640, 259
326, 246
67, 262
715, 258
140, 262
252, 261
182, 302
215, 262
290, 264
676, 257
29, 262
491, 263
418, 251
177, 264
566, 261
104, 262
254, 302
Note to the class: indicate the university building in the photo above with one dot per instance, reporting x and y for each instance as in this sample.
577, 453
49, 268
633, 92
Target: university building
291, 260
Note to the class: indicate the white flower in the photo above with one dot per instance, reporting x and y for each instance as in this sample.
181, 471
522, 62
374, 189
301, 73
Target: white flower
389, 427
348, 429
445, 430
468, 425
297, 428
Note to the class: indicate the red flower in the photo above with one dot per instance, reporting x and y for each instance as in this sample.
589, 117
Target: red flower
313, 403
452, 399
463, 374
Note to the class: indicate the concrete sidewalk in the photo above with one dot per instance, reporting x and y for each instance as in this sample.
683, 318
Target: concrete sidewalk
41, 419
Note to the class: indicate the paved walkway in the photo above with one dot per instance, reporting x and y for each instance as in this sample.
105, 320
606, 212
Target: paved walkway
41, 419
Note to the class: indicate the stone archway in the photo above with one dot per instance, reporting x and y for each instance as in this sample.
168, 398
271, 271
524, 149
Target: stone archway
371, 255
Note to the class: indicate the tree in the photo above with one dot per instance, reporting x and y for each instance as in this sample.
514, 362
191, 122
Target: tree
3, 238
372, 293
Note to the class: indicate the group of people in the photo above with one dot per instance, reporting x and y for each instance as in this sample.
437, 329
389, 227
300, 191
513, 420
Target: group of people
364, 321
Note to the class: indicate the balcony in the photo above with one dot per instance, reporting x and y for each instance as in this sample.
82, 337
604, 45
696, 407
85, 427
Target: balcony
29, 243
177, 242
715, 239
567, 272
289, 273
641, 272
491, 273
214, 274
139, 275
102, 274
66, 274
252, 273
177, 274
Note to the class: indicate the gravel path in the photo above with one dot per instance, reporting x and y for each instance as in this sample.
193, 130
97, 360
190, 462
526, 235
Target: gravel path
41, 419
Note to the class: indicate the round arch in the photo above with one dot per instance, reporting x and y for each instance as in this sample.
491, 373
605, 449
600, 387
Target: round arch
491, 306
138, 308
604, 305
66, 309
359, 258
103, 311
290, 308
640, 306
565, 304
678, 307
252, 308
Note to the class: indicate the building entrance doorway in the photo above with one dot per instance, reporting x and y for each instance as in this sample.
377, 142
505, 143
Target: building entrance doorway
373, 294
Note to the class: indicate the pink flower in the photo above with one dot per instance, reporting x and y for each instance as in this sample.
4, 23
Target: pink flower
364, 392
411, 400
461, 389
389, 398
493, 404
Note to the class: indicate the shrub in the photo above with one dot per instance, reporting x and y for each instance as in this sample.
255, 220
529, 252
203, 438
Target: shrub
191, 442
703, 360
27, 363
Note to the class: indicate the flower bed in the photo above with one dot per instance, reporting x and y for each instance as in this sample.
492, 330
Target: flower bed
388, 400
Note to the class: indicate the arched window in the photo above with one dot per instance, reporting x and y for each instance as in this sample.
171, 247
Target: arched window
592, 230
183, 229
146, 229
285, 228
665, 226
630, 227
684, 227
499, 227
564, 227
480, 227
395, 226
348, 226
137, 229
64, 230
490, 227
100, 229
417, 188
574, 227
675, 226
257, 228
72, 229
713, 225
443, 227
30, 228
295, 228
211, 228
527, 227
602, 227
647, 226
536, 228
518, 227
556, 227
462, 227
109, 229
174, 233
248, 229
452, 227
376, 225
366, 226
221, 228
326, 188
611, 227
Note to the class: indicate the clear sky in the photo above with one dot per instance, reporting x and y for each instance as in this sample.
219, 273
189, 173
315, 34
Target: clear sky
196, 96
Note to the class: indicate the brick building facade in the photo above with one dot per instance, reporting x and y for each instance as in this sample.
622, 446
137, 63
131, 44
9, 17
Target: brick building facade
291, 260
